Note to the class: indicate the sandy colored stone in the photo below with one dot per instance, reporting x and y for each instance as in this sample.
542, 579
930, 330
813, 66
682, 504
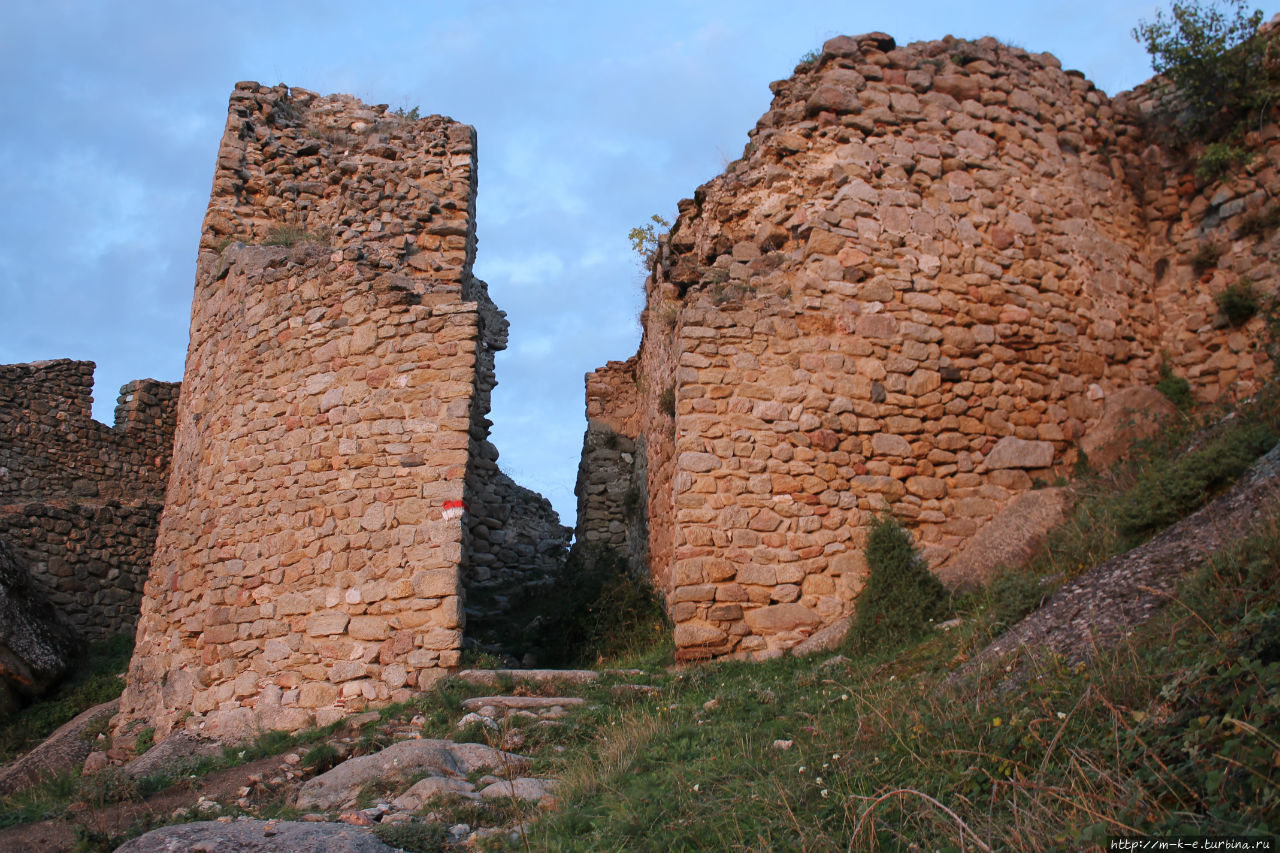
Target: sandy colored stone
338, 787
778, 618
1128, 415
1011, 452
1008, 539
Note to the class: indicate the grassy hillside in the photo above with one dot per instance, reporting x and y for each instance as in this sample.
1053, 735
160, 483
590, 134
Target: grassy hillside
1176, 731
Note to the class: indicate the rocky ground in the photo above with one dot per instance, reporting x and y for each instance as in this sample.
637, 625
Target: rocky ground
492, 769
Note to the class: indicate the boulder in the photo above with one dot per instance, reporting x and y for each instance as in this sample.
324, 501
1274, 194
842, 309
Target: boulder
257, 836
340, 786
524, 788
65, 749
825, 639
175, 755
1128, 416
36, 646
1008, 539
428, 789
776, 618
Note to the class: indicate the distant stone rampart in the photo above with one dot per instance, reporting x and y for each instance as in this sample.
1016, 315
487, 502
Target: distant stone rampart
80, 500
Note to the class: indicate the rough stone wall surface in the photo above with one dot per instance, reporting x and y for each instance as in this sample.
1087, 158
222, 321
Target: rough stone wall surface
310, 558
80, 500
609, 494
915, 291
517, 548
51, 445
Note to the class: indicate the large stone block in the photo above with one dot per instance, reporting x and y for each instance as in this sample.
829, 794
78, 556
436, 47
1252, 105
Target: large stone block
1012, 452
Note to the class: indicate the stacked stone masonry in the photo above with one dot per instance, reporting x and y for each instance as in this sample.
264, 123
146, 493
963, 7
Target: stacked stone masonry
915, 292
315, 548
80, 500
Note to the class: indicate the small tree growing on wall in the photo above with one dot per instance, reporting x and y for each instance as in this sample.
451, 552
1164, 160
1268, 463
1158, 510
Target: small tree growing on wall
1216, 60
644, 239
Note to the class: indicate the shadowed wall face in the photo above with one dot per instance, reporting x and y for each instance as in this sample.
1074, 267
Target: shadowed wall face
80, 500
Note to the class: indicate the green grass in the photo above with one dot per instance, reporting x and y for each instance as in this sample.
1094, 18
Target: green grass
1176, 732
98, 679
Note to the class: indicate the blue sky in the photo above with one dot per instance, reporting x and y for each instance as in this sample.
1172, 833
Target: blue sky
591, 117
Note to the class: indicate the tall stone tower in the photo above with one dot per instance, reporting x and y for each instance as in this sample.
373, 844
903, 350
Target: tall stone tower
331, 428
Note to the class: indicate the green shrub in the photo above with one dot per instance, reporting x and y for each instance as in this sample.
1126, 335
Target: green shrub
1172, 489
597, 610
1175, 387
1238, 303
645, 239
1216, 62
1205, 258
1013, 594
1219, 160
109, 785
145, 740
902, 596
414, 836
321, 757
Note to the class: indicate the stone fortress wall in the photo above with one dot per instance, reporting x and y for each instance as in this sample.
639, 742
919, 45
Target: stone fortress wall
80, 500
332, 487
918, 289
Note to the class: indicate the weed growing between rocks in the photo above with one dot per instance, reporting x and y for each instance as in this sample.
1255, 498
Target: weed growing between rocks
1175, 387
1238, 303
414, 837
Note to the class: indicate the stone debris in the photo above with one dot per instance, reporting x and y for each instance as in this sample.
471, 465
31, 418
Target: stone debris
492, 677
424, 790
520, 788
490, 706
338, 787
256, 836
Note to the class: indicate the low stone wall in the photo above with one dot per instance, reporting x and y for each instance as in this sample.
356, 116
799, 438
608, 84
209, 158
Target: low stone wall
91, 559
51, 445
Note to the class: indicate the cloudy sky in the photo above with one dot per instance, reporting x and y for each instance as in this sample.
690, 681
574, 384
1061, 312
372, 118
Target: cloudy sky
591, 117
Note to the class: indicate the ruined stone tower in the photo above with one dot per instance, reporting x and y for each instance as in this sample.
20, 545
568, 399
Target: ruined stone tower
919, 289
331, 455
